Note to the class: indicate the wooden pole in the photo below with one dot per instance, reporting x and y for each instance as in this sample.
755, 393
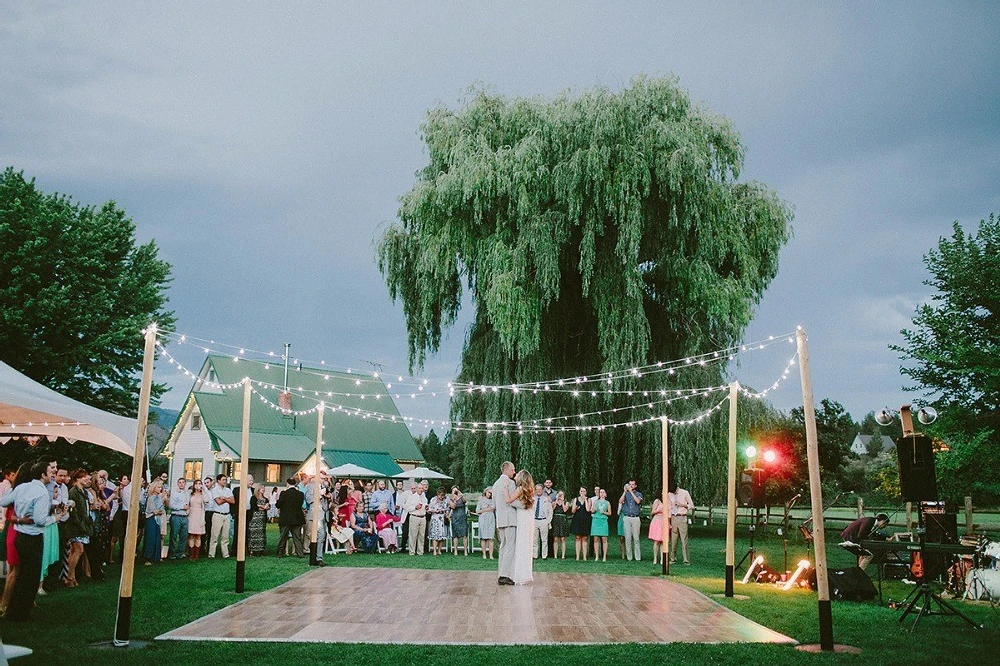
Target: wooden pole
245, 493
909, 516
968, 516
731, 493
861, 507
665, 512
123, 620
815, 496
314, 557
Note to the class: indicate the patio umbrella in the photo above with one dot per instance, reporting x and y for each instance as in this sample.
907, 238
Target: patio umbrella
421, 473
352, 470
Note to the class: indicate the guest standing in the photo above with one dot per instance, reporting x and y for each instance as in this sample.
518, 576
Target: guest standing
154, 514
599, 525
32, 503
257, 543
80, 525
196, 518
291, 518
437, 531
486, 509
560, 526
180, 508
580, 525
680, 505
459, 520
656, 531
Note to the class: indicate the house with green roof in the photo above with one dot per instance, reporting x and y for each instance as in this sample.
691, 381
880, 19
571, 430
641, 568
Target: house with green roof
360, 426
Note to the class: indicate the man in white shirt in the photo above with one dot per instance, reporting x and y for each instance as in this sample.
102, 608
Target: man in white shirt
680, 505
543, 518
399, 499
223, 500
32, 506
180, 503
416, 508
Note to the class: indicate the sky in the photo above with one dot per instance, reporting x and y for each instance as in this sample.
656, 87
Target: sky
264, 148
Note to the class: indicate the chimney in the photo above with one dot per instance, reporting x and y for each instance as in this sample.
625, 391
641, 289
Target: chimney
285, 402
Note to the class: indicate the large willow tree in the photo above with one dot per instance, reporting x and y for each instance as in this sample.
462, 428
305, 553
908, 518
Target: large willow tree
595, 231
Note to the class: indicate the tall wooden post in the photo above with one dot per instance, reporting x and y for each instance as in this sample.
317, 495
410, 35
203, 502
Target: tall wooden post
246, 493
909, 516
861, 507
123, 621
665, 512
815, 496
731, 493
314, 547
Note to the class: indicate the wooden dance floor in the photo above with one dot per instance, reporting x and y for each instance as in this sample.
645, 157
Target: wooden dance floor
341, 605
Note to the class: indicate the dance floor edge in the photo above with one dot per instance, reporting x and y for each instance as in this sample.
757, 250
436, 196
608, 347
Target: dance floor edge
435, 607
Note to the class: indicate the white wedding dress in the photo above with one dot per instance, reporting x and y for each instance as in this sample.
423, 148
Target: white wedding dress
522, 546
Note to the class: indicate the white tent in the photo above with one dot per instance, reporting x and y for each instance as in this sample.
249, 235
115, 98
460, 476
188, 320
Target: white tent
353, 471
421, 473
28, 408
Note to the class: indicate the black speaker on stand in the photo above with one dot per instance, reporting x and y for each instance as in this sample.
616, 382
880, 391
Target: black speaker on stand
915, 456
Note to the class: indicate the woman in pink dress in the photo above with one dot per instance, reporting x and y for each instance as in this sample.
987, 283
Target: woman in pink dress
196, 518
656, 532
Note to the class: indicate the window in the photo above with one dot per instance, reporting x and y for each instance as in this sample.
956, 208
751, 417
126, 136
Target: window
235, 471
196, 422
192, 469
273, 473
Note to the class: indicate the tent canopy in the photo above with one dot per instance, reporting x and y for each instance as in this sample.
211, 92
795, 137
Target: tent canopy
421, 473
352, 470
24, 401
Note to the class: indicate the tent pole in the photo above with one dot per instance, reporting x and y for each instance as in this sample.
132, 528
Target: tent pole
123, 620
815, 496
665, 511
314, 556
241, 513
731, 492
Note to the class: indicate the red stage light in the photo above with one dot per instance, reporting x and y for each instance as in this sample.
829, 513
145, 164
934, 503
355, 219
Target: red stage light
770, 456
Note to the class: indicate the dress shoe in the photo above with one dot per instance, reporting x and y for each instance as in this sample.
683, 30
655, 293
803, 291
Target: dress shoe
505, 581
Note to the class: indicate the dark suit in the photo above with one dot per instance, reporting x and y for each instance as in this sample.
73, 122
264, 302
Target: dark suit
290, 519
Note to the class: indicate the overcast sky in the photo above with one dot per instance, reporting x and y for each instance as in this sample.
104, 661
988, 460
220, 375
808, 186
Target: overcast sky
264, 147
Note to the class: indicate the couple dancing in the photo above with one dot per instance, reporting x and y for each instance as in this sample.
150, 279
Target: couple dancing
515, 501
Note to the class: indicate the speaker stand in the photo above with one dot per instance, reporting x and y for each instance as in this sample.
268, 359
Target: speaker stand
751, 552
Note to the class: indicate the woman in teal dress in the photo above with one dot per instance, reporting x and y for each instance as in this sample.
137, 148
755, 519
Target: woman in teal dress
599, 524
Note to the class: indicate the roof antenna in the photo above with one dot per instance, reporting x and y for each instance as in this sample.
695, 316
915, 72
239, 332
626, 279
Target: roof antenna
288, 346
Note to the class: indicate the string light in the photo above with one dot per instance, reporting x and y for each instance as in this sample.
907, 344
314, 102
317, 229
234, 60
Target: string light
44, 424
556, 385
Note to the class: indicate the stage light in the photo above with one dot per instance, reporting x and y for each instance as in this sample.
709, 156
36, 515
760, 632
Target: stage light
927, 415
770, 456
803, 565
884, 417
751, 451
759, 560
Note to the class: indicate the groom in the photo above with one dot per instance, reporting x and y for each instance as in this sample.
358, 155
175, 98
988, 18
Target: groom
506, 522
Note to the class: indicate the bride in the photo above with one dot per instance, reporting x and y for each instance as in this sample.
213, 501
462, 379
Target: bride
523, 499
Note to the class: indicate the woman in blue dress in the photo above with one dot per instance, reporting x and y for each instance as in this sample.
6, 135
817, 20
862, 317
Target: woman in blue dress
154, 514
599, 525
365, 537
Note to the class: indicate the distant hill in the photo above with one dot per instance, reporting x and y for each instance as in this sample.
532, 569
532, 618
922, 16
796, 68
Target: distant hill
159, 430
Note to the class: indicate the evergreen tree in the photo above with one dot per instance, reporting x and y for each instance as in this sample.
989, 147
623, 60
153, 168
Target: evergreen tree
75, 292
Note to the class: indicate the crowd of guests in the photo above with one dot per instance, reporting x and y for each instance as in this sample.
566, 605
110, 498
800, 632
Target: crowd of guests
64, 524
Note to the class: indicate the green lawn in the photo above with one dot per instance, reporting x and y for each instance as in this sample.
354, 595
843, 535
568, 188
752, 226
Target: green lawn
174, 593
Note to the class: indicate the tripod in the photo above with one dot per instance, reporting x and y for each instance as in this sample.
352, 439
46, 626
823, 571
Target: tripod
922, 594
751, 552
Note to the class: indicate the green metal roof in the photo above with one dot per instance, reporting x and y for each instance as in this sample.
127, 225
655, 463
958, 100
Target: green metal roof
293, 437
375, 461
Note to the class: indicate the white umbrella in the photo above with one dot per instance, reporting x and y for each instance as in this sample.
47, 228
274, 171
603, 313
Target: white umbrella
350, 469
421, 473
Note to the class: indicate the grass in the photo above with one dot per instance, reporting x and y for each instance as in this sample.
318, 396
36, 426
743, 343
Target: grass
168, 595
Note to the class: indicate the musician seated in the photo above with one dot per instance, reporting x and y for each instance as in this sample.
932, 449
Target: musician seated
861, 529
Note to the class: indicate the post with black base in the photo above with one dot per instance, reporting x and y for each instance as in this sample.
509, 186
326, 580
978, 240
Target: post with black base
731, 493
665, 510
816, 499
314, 547
123, 620
246, 494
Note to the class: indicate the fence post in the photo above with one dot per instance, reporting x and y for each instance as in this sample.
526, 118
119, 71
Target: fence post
909, 516
861, 507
